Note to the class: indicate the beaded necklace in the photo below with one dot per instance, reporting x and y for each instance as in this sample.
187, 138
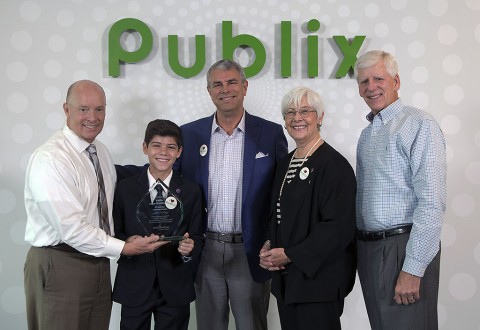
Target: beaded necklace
299, 166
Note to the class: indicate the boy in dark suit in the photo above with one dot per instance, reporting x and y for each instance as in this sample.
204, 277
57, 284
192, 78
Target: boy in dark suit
160, 283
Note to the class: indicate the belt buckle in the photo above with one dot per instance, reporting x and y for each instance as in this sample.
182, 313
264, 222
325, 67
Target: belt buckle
224, 238
371, 236
376, 235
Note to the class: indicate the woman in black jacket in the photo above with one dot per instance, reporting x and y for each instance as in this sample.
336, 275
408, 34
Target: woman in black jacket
311, 247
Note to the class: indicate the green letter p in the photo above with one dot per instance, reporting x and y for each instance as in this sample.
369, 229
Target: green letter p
116, 54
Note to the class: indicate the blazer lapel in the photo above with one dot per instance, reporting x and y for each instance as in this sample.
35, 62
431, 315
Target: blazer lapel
142, 182
252, 135
176, 187
204, 141
176, 184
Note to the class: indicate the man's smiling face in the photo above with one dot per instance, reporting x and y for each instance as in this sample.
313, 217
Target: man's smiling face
378, 88
85, 110
227, 90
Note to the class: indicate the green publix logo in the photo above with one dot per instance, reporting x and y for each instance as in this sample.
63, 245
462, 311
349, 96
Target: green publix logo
118, 55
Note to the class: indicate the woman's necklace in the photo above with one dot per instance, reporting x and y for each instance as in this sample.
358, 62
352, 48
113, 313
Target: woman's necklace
299, 166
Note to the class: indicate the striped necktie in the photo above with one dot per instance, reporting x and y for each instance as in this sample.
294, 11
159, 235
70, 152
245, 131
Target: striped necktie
102, 201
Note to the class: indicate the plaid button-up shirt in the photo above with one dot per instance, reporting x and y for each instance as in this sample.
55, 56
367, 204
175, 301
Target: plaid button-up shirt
401, 176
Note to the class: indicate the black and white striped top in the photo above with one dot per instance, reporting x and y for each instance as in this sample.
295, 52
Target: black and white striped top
292, 170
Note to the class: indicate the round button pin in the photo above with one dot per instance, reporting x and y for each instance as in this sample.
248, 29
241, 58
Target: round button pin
171, 203
203, 150
304, 172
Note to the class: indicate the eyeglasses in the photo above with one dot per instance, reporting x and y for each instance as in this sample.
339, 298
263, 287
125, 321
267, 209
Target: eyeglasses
304, 112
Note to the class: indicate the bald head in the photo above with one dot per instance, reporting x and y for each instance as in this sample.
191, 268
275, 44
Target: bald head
85, 109
82, 84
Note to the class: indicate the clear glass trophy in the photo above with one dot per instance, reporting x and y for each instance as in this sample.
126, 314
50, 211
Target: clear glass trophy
161, 216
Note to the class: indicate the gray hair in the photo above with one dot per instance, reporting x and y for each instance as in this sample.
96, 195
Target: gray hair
372, 57
226, 65
295, 96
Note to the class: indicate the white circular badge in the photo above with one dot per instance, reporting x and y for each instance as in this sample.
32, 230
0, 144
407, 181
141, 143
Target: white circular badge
171, 203
203, 150
304, 172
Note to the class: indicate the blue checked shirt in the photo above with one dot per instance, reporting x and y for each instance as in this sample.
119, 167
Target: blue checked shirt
401, 179
225, 175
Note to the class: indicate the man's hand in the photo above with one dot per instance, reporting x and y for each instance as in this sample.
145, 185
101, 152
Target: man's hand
407, 290
132, 238
135, 245
185, 246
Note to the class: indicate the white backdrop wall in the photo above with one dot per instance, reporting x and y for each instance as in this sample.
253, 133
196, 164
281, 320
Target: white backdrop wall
46, 45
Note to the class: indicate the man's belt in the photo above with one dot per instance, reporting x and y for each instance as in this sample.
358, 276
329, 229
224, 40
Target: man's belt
225, 238
383, 234
67, 248
63, 247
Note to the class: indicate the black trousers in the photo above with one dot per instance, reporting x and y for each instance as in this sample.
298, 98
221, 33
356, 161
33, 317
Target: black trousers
318, 315
166, 317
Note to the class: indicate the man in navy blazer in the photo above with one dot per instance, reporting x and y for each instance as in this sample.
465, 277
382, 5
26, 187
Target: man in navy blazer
232, 155
160, 283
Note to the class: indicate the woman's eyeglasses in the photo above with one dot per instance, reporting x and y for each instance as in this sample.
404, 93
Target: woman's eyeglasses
304, 112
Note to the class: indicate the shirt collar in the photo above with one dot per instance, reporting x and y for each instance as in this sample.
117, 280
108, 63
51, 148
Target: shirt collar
152, 180
78, 143
388, 113
240, 126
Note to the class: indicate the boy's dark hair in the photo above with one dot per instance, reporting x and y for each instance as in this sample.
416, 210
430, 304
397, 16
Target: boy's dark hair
163, 127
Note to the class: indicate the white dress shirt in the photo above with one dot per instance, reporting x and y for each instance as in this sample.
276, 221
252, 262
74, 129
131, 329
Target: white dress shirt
61, 192
225, 179
152, 183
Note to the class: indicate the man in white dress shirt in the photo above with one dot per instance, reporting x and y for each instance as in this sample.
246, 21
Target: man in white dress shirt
67, 270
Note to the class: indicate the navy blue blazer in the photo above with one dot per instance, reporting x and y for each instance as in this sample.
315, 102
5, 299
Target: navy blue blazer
265, 143
136, 275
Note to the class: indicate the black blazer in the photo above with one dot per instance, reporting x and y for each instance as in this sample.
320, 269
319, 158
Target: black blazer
317, 229
136, 275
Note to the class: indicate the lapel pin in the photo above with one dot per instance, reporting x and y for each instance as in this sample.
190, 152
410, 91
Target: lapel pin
304, 172
203, 150
171, 203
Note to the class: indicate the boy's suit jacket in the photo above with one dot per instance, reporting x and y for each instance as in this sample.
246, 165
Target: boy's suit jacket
136, 275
